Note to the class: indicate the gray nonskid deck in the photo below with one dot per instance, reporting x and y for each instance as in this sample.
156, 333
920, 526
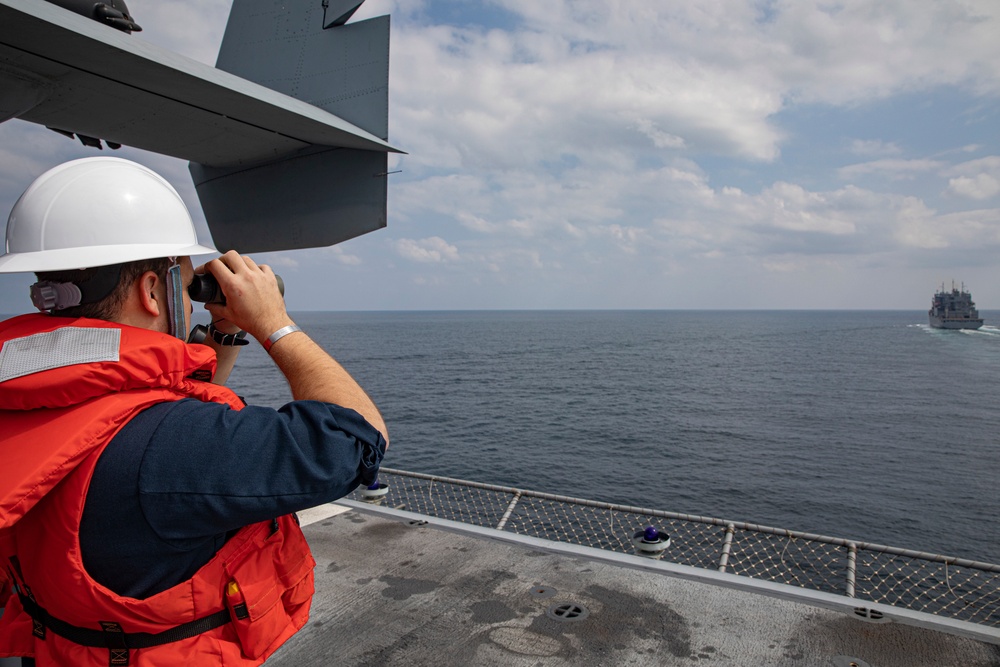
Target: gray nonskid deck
392, 591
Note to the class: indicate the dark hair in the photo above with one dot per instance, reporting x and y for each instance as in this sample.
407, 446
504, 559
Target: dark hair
110, 307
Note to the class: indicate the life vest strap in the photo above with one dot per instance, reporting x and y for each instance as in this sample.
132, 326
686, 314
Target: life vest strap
113, 638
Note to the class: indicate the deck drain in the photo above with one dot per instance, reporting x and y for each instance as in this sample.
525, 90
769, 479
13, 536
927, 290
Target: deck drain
870, 615
567, 611
543, 592
848, 661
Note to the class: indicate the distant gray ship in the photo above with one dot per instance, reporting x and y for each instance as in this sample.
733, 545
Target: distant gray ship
954, 310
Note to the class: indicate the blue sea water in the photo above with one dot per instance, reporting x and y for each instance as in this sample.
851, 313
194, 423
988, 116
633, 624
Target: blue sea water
865, 425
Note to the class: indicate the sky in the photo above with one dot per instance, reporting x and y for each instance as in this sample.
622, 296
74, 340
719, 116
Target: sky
726, 154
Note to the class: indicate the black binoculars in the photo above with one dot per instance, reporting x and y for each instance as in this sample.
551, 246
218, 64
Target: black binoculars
205, 289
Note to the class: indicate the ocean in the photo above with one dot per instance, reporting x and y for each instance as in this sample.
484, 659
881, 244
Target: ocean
866, 425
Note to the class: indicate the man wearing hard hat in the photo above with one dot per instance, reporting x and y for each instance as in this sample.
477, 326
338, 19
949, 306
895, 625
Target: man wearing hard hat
145, 512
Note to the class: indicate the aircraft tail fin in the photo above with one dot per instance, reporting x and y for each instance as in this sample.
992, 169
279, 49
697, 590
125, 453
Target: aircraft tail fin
321, 195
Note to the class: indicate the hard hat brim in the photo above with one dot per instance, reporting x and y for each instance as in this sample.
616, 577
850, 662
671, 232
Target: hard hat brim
69, 258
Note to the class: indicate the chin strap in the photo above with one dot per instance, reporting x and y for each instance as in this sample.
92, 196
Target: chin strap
175, 300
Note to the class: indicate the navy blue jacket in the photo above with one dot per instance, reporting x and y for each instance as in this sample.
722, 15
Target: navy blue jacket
181, 477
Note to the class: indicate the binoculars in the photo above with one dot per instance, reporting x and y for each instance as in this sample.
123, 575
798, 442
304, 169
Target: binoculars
205, 289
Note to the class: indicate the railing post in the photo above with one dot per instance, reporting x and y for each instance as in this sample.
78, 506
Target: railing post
727, 546
852, 563
510, 510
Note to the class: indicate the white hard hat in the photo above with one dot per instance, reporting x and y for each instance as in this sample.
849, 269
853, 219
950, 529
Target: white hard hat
95, 212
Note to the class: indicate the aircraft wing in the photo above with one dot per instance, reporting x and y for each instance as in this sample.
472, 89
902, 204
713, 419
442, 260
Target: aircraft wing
246, 141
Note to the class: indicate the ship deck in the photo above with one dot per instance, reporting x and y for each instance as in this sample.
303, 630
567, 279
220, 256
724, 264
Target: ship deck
398, 587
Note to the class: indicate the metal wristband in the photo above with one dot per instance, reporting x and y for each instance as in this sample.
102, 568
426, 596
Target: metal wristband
228, 340
279, 334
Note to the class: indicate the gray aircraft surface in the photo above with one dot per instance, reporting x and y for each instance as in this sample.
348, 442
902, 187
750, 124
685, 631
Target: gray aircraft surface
291, 124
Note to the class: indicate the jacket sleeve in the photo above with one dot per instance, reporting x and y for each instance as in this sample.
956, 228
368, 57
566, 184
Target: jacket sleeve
208, 469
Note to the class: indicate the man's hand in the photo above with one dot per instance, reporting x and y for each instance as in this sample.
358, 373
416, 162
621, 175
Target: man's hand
253, 301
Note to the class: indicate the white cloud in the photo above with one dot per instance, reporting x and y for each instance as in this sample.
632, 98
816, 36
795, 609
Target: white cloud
660, 138
430, 250
581, 77
981, 186
872, 147
847, 51
976, 179
586, 141
989, 164
581, 129
896, 169
501, 99
787, 226
281, 261
345, 258
973, 232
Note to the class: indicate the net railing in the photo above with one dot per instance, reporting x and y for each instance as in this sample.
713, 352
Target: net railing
950, 587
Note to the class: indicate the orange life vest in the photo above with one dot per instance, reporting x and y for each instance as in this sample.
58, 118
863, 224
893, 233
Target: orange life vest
56, 417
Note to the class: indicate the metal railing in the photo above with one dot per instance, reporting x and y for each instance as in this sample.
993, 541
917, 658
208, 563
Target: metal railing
955, 588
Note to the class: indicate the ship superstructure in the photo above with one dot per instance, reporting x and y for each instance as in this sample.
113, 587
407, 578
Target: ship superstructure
954, 310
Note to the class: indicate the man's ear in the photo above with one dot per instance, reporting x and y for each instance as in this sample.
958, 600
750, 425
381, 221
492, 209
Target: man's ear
149, 287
